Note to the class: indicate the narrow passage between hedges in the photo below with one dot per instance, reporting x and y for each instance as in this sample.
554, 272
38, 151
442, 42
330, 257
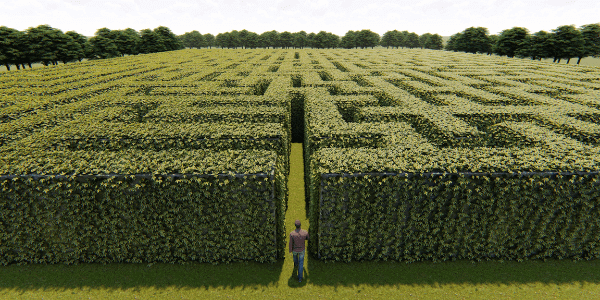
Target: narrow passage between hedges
296, 210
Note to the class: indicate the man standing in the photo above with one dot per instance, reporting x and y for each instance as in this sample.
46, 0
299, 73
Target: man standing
297, 238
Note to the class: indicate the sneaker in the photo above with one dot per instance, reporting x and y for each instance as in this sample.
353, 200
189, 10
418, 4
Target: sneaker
299, 280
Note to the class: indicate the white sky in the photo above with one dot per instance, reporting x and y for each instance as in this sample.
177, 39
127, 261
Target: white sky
336, 16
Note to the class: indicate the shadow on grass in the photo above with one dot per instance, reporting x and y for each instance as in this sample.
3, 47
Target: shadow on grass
254, 275
552, 271
126, 276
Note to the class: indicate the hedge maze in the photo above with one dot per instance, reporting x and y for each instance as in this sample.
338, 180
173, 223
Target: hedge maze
408, 154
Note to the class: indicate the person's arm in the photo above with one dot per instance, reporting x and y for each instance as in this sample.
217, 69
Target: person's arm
291, 243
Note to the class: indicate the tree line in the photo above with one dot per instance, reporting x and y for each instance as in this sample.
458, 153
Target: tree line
272, 39
47, 45
564, 42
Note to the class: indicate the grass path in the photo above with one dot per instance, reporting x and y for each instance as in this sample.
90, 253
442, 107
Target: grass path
553, 279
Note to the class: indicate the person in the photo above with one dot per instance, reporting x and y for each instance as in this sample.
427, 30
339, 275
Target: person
297, 238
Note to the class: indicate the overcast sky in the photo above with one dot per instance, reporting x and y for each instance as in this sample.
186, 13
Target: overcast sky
214, 16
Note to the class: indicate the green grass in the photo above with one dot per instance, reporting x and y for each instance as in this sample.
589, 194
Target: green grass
553, 279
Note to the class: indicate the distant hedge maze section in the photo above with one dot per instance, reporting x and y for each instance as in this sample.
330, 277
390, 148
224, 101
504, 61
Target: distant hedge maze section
408, 154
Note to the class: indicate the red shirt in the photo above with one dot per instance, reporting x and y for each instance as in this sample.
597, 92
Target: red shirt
297, 238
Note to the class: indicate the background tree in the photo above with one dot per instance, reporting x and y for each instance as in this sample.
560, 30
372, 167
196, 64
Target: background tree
510, 41
333, 40
44, 43
69, 50
567, 42
388, 39
80, 39
434, 42
402, 38
167, 38
121, 40
412, 40
326, 40
103, 45
493, 42
192, 39
311, 40
423, 40
541, 45
150, 42
209, 39
23, 49
367, 38
9, 53
472, 40
454, 41
300, 39
243, 38
349, 40
286, 39
270, 39
591, 41
252, 40
227, 40
132, 41
536, 46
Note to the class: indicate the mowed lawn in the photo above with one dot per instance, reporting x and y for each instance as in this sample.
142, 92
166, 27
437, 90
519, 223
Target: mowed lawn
553, 279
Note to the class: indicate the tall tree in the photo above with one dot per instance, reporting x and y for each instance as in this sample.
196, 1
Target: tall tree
326, 40
243, 37
333, 40
311, 40
510, 41
403, 38
23, 55
412, 40
423, 40
103, 44
209, 39
9, 53
472, 40
44, 44
81, 40
494, 42
270, 39
167, 38
132, 41
321, 40
349, 40
591, 41
300, 39
434, 42
388, 39
234, 39
537, 46
453, 43
568, 42
367, 38
286, 39
252, 40
150, 42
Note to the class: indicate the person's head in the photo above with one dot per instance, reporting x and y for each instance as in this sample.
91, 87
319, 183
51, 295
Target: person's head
297, 224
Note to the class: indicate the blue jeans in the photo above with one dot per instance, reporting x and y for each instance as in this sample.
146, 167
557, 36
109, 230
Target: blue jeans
299, 259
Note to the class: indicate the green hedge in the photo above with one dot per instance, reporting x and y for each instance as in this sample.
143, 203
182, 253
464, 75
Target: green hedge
139, 206
384, 204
